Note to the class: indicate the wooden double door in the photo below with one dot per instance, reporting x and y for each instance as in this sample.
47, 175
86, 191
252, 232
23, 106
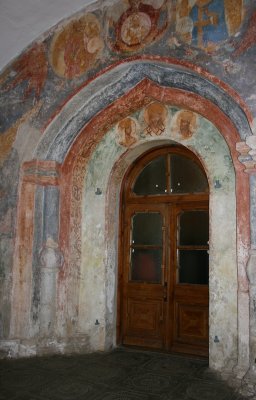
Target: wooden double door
164, 297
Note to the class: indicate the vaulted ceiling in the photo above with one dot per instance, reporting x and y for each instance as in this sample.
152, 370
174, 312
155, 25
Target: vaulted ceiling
22, 21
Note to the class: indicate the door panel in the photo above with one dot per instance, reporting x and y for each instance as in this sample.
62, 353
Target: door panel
144, 322
165, 277
191, 319
191, 293
144, 276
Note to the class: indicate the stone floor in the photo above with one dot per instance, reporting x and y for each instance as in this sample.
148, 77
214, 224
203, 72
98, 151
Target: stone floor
119, 375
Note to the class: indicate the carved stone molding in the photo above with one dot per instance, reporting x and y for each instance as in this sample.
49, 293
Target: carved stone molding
51, 256
247, 152
41, 172
251, 267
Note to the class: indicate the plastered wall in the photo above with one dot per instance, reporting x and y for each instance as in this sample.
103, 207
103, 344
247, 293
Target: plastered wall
65, 104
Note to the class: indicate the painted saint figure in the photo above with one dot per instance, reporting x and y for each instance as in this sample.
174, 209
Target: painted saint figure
186, 123
76, 48
139, 25
155, 116
127, 132
31, 68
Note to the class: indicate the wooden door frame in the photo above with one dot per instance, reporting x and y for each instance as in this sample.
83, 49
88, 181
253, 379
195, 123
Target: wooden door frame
127, 198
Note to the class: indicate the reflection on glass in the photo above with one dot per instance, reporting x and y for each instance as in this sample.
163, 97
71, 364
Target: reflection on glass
193, 266
152, 179
146, 265
147, 229
193, 228
186, 176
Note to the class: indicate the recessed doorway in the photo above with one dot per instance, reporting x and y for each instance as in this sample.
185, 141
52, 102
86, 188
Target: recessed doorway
164, 271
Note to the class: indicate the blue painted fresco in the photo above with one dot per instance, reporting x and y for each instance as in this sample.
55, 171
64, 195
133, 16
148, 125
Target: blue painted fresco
212, 32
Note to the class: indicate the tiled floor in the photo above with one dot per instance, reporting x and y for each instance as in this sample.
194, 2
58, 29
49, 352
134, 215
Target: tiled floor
119, 375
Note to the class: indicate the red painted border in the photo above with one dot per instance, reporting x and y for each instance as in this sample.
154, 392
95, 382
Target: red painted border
169, 61
82, 148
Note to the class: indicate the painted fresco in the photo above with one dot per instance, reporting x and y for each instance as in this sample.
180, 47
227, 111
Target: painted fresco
248, 40
126, 132
155, 116
29, 72
218, 36
76, 47
156, 120
185, 124
210, 33
137, 25
213, 21
214, 34
100, 167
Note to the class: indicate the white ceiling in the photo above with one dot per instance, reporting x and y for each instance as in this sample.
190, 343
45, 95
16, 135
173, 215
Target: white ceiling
22, 21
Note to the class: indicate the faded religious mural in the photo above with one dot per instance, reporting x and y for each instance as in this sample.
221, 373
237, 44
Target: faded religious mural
76, 47
214, 33
136, 24
212, 40
156, 120
185, 123
126, 132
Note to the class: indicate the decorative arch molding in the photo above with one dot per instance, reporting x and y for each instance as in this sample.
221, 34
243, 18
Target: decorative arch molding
55, 180
115, 82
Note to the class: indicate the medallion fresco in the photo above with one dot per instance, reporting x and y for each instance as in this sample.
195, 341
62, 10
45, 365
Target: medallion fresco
127, 132
185, 124
137, 25
155, 116
211, 33
156, 120
76, 47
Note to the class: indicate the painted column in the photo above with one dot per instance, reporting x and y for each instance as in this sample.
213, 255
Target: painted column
37, 177
248, 158
51, 259
251, 273
22, 266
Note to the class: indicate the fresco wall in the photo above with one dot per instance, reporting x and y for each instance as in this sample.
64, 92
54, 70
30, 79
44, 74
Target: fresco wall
99, 245
213, 39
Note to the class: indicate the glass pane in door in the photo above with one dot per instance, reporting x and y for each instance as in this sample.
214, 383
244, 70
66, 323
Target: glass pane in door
146, 265
186, 176
147, 229
193, 266
192, 245
194, 227
152, 179
146, 247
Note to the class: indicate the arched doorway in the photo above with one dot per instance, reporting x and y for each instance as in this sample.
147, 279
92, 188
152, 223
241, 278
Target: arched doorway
165, 262
86, 283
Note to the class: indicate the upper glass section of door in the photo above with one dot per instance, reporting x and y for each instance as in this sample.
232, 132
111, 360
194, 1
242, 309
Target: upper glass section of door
171, 174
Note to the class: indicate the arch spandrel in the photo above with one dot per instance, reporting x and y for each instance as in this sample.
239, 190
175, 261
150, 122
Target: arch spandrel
115, 83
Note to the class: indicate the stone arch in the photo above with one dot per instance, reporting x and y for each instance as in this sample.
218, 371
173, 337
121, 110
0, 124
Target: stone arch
56, 179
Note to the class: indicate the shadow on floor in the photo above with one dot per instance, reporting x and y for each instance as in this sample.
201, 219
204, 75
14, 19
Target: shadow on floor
119, 375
